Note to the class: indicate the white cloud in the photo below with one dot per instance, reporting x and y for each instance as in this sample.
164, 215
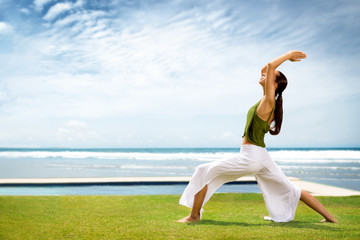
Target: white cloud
80, 17
75, 131
148, 64
57, 9
39, 4
5, 28
79, 3
25, 11
76, 124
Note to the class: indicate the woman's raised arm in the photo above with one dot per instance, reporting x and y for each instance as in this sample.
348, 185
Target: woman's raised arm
293, 56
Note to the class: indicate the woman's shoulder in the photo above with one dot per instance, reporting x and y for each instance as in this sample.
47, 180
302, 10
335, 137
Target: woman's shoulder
265, 107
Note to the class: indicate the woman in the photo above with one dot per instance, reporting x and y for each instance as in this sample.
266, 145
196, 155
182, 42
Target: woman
280, 195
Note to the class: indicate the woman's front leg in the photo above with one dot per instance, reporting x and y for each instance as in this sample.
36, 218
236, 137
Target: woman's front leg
195, 211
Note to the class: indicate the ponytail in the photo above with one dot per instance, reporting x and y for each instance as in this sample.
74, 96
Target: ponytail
278, 114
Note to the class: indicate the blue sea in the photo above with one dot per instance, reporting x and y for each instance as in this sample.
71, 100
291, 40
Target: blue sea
336, 167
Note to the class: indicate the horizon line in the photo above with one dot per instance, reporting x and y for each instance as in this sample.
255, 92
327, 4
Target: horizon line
109, 148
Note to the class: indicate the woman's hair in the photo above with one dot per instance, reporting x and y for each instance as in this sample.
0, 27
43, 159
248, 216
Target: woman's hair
278, 115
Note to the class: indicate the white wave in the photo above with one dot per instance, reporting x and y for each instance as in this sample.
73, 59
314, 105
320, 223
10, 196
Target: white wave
149, 173
287, 172
289, 160
321, 168
314, 154
321, 156
94, 166
116, 155
154, 167
341, 179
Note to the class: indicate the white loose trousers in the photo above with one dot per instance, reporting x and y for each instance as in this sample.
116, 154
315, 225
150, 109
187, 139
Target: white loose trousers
280, 195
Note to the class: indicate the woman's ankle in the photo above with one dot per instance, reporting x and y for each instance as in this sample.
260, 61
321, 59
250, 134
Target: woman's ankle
195, 215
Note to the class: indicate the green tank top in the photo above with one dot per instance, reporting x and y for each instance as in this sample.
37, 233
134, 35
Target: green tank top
256, 128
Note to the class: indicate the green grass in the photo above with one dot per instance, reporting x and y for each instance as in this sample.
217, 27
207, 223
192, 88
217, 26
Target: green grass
226, 216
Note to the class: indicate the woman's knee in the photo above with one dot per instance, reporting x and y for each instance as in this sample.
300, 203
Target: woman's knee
304, 195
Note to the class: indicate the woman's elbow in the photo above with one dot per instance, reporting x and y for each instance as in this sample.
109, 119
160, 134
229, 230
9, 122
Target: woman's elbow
270, 66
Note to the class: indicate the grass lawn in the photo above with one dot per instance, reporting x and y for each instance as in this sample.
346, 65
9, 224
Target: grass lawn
226, 216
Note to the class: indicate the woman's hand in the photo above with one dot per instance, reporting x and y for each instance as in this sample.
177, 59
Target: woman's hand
296, 56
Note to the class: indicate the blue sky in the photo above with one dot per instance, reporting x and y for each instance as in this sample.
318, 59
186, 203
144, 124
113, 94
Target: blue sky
91, 73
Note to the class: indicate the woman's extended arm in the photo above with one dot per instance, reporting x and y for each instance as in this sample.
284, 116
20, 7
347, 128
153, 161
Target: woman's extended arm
293, 56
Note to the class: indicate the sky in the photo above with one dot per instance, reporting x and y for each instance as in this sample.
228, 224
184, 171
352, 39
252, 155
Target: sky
146, 73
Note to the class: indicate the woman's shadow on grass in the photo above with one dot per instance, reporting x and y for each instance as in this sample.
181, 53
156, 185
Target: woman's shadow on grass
293, 224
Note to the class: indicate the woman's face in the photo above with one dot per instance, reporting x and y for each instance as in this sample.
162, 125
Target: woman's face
262, 80
263, 77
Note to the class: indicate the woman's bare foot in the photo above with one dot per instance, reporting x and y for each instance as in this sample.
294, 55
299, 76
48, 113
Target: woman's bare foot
189, 219
313, 203
329, 220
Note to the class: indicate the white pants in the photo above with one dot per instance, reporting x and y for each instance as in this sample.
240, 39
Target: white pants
280, 195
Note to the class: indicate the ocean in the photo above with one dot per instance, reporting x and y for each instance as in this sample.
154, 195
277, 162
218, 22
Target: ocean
336, 167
